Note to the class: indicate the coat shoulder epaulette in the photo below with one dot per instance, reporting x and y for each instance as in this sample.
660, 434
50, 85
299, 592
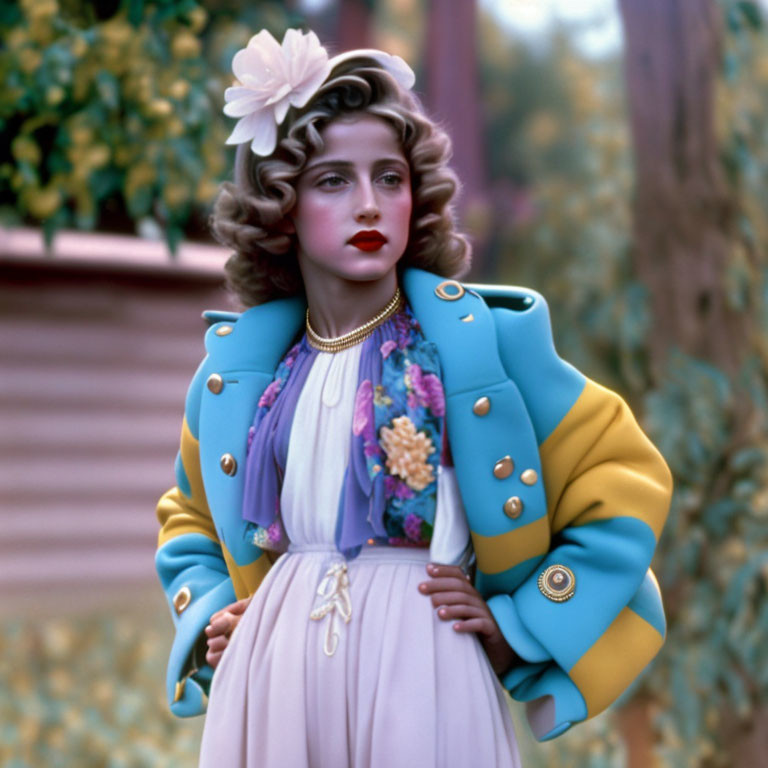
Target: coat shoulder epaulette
213, 316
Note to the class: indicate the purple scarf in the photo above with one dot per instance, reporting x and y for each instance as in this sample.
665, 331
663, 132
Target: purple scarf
389, 492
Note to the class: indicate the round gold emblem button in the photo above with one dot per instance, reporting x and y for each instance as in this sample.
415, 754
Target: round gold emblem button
482, 406
557, 583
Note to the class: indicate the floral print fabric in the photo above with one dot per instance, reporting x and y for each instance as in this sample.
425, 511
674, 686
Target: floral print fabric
390, 487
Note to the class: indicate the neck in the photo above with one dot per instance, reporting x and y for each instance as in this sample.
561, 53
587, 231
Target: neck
338, 306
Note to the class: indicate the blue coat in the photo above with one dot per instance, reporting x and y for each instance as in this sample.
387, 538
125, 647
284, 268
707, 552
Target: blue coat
565, 496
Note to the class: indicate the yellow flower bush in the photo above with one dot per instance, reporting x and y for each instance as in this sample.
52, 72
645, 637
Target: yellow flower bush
90, 95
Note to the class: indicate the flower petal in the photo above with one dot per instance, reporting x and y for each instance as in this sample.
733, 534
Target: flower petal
265, 140
244, 106
279, 95
262, 55
281, 110
259, 127
308, 88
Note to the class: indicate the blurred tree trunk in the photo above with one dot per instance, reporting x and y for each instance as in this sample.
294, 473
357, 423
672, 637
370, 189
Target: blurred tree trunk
685, 214
354, 24
683, 209
452, 95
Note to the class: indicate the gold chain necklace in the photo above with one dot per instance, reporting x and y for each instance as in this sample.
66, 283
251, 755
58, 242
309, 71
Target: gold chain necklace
358, 334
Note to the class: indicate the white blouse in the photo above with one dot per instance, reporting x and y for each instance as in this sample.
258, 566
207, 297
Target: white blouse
318, 453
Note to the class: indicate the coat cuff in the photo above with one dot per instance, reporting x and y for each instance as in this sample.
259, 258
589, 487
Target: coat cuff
522, 642
187, 683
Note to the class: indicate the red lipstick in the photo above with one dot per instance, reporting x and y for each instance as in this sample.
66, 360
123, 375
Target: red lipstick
368, 240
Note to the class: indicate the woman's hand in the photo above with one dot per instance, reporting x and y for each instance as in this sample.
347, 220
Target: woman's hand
455, 598
220, 629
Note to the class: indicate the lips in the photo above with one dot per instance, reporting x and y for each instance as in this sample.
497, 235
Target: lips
368, 240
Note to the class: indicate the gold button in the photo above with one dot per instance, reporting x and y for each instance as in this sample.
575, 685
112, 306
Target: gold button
224, 330
215, 383
456, 292
182, 599
228, 464
482, 406
557, 583
529, 477
504, 468
179, 692
513, 507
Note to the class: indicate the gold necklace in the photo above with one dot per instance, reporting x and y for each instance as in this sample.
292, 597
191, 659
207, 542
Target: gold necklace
358, 334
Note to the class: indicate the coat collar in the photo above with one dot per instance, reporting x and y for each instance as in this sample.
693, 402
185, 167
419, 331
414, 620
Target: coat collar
263, 333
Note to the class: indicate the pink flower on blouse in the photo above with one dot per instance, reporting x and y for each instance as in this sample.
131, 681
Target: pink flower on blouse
274, 533
361, 421
387, 348
428, 390
412, 527
268, 397
393, 486
290, 358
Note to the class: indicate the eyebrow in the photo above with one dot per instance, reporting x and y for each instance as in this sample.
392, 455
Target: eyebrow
347, 165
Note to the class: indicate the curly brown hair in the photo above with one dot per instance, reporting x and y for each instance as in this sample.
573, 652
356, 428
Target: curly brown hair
249, 216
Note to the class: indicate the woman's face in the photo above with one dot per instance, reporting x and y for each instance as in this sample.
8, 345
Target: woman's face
353, 208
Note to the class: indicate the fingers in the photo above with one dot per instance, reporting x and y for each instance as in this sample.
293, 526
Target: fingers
479, 626
435, 569
446, 585
218, 644
456, 598
462, 612
223, 625
239, 607
236, 609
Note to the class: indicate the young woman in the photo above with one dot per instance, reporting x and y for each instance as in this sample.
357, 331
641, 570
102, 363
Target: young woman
388, 482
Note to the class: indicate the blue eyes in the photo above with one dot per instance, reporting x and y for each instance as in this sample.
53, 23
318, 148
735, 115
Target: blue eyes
331, 181
335, 180
391, 179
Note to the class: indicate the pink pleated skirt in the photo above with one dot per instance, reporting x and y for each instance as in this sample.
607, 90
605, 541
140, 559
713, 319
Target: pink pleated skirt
345, 663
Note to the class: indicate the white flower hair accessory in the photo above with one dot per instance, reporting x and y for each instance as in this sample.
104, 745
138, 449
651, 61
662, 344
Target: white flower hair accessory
273, 77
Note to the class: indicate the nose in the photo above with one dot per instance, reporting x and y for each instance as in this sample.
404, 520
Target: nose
367, 211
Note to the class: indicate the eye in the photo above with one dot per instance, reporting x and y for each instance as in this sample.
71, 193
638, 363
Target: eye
391, 178
331, 181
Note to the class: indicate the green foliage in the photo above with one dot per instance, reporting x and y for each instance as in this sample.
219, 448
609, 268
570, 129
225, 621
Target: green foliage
87, 692
568, 233
107, 120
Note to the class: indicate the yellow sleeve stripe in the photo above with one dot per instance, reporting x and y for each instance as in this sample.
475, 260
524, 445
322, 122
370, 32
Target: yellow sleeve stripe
506, 550
615, 660
179, 514
598, 464
246, 578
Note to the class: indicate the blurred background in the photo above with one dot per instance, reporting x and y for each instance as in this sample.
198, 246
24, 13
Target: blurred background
614, 157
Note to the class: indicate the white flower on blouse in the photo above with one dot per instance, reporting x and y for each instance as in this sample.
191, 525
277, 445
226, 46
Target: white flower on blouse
272, 78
